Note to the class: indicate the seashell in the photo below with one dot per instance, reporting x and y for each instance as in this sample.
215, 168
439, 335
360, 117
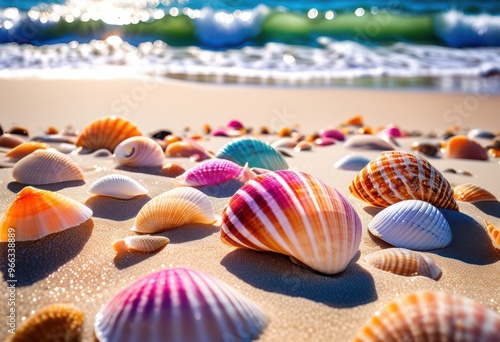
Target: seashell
432, 316
174, 208
214, 171
254, 152
10, 141
172, 170
179, 304
18, 130
139, 152
56, 322
324, 141
351, 162
161, 134
235, 124
404, 262
472, 193
170, 139
494, 152
46, 167
36, 213
464, 148
330, 132
117, 186
21, 151
106, 132
265, 130
284, 132
428, 149
303, 146
354, 121
480, 133
226, 132
140, 243
397, 176
412, 224
392, 131
295, 214
366, 130
285, 142
187, 149
494, 232
207, 128
368, 142
52, 130
55, 139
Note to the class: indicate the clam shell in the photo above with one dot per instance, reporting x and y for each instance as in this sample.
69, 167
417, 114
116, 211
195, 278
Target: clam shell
412, 224
295, 214
46, 167
351, 162
404, 262
106, 132
494, 232
368, 142
56, 322
254, 152
461, 147
139, 152
179, 304
187, 149
472, 193
172, 209
214, 171
117, 186
21, 151
140, 243
432, 316
36, 213
397, 176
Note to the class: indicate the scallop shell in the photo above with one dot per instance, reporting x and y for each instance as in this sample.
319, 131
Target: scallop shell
412, 224
46, 167
117, 186
368, 142
106, 132
432, 316
404, 262
472, 193
494, 232
254, 152
179, 304
21, 151
461, 147
56, 322
351, 162
187, 149
295, 214
139, 152
172, 209
214, 171
140, 243
36, 213
397, 176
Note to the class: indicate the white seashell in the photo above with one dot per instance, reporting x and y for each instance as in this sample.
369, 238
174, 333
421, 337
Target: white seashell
412, 224
351, 162
288, 142
369, 142
139, 152
140, 243
117, 186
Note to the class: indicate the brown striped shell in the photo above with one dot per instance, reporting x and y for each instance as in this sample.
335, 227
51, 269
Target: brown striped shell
494, 232
397, 176
472, 193
106, 132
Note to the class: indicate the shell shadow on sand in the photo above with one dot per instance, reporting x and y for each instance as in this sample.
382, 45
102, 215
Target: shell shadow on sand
16, 187
489, 207
226, 189
353, 287
35, 260
127, 259
116, 209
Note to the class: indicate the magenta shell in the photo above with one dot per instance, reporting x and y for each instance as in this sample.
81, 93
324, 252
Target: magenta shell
332, 133
392, 132
324, 141
235, 124
213, 171
220, 132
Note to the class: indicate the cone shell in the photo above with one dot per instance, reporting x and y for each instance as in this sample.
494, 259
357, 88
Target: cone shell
21, 151
397, 176
36, 213
472, 193
432, 316
213, 171
494, 232
139, 152
140, 243
187, 149
179, 304
412, 224
295, 214
174, 208
255, 152
117, 186
106, 132
404, 262
461, 147
46, 167
57, 322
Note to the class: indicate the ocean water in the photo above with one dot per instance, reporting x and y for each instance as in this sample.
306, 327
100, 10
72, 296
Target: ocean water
438, 45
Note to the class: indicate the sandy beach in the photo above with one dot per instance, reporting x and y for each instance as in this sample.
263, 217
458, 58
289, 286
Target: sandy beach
78, 266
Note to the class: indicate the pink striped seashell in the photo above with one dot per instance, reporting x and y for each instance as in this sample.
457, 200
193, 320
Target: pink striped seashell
21, 151
472, 193
432, 316
176, 305
139, 152
214, 171
494, 232
295, 214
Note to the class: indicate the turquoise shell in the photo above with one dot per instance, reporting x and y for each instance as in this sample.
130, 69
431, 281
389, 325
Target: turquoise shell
254, 152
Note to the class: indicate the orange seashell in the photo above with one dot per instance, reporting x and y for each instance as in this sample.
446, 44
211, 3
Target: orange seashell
172, 170
106, 132
354, 121
21, 151
397, 176
365, 130
36, 213
10, 141
52, 130
207, 128
187, 149
462, 147
170, 139
494, 152
494, 232
285, 132
472, 193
